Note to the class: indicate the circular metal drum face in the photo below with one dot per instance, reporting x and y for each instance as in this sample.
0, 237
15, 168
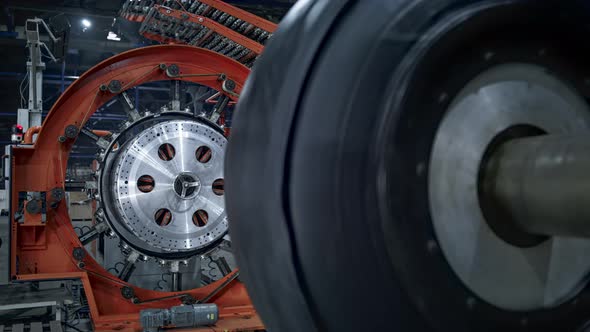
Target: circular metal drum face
509, 277
163, 186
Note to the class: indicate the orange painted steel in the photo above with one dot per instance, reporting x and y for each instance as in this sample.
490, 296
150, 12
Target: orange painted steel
224, 7
242, 14
167, 22
44, 252
36, 129
28, 139
214, 26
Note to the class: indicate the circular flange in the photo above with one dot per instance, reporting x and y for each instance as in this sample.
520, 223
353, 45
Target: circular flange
156, 185
507, 276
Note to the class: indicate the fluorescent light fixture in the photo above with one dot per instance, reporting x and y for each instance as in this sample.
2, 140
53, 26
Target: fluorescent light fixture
113, 36
86, 23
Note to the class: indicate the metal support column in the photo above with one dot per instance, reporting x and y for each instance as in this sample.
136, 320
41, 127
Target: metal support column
32, 116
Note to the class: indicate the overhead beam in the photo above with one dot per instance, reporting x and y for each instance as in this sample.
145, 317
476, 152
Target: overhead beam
19, 5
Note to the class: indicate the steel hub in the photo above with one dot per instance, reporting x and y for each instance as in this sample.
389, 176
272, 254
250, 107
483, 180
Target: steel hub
544, 273
162, 197
187, 185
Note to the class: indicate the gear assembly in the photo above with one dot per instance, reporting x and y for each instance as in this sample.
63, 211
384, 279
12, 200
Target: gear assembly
408, 165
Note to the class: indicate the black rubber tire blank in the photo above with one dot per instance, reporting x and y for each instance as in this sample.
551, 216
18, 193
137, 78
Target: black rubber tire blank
328, 214
262, 138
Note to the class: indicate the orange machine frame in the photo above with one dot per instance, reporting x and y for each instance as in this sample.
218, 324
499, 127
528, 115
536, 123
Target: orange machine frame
214, 26
181, 14
226, 8
44, 250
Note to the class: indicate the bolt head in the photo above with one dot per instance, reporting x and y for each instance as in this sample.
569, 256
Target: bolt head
71, 131
230, 85
127, 292
115, 86
172, 71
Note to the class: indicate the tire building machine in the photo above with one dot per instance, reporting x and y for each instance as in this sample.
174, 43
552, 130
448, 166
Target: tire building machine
159, 177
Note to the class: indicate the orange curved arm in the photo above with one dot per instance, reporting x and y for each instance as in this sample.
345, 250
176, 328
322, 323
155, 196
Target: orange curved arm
36, 129
29, 134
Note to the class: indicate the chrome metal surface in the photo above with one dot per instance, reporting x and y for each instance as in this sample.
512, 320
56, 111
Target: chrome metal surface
507, 276
540, 183
181, 185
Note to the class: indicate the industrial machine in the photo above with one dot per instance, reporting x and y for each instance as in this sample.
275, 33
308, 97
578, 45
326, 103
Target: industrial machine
159, 190
156, 187
410, 165
210, 24
419, 166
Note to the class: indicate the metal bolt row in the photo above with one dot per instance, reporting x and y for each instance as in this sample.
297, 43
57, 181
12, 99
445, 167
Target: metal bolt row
195, 34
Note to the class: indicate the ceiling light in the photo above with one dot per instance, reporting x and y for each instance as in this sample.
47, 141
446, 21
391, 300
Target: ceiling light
113, 36
86, 23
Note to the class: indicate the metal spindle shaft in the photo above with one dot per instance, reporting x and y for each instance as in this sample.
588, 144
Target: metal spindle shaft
175, 282
127, 271
541, 183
